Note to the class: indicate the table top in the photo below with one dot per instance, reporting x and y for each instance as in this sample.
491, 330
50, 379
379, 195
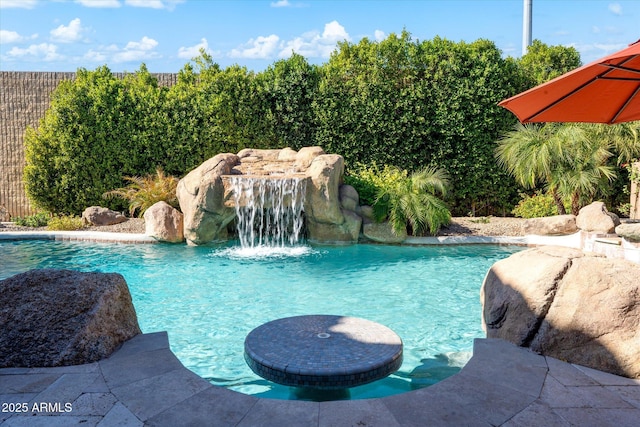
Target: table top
323, 351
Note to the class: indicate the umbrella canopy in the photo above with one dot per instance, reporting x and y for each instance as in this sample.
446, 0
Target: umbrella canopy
604, 91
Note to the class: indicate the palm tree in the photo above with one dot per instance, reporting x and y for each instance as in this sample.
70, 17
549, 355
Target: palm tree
413, 200
572, 161
529, 153
582, 170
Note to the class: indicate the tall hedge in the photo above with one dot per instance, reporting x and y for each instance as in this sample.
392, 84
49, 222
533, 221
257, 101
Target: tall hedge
415, 104
399, 102
98, 129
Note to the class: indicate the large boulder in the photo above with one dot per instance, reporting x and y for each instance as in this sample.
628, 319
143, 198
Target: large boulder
327, 220
97, 215
596, 218
551, 225
61, 317
569, 305
201, 196
165, 223
629, 231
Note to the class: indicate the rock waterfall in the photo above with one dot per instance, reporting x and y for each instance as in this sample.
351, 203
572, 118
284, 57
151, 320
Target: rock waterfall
269, 210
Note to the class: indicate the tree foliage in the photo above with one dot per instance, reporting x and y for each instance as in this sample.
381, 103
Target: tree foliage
400, 102
413, 104
542, 63
571, 161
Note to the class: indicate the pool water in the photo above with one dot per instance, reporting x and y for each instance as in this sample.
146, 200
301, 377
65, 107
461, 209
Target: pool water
209, 298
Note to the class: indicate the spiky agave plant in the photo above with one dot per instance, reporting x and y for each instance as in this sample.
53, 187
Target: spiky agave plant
413, 200
144, 192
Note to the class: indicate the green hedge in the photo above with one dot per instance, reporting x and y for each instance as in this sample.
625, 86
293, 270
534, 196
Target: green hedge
399, 102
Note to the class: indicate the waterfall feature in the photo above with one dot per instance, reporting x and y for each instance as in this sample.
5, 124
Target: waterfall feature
269, 210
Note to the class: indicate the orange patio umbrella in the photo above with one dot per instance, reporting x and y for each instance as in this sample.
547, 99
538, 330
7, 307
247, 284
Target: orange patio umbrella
604, 91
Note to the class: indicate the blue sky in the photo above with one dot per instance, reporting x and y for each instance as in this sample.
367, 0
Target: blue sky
62, 35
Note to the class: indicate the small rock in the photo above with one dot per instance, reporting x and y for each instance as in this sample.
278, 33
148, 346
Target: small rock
382, 232
551, 225
629, 231
97, 215
349, 198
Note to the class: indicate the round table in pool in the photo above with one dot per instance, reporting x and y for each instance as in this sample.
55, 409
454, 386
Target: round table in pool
322, 351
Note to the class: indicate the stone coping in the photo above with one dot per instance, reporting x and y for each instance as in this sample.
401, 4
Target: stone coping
90, 236
572, 240
143, 383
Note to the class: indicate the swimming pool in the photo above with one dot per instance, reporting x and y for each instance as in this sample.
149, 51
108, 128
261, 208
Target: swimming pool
209, 298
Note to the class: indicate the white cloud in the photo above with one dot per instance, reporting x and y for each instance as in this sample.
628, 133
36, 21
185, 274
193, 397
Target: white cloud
68, 34
334, 32
154, 4
615, 8
379, 35
258, 48
287, 3
314, 44
41, 52
8, 37
100, 3
591, 52
92, 55
23, 4
137, 51
193, 51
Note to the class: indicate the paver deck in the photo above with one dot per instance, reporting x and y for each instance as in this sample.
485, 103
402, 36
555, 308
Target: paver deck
143, 383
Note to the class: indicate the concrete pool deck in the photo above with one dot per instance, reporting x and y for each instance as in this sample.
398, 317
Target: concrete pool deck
143, 383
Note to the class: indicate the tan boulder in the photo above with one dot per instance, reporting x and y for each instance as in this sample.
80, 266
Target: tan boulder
61, 317
165, 223
596, 218
201, 197
322, 200
551, 225
97, 215
366, 212
568, 305
382, 232
306, 155
517, 291
629, 231
287, 155
349, 198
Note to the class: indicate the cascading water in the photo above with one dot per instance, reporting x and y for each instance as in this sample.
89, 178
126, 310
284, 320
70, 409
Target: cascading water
269, 210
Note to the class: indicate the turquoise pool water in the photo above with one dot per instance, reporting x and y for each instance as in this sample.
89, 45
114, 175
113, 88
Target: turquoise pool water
209, 298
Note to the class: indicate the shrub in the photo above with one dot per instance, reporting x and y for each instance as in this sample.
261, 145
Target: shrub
37, 220
144, 192
402, 199
65, 222
367, 180
536, 206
